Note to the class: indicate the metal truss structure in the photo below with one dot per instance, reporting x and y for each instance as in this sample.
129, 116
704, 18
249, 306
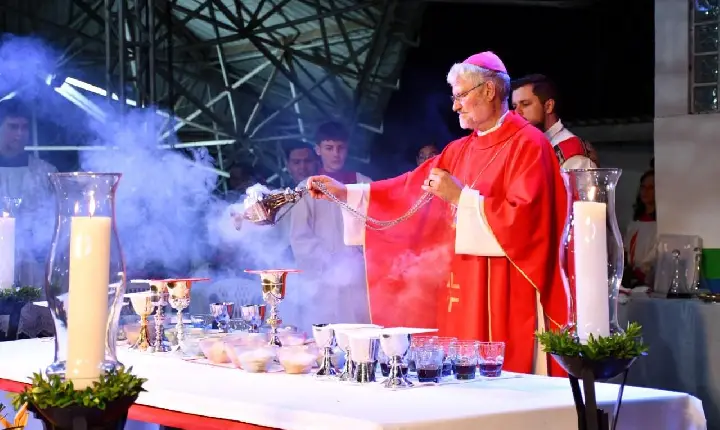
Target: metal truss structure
238, 76
704, 56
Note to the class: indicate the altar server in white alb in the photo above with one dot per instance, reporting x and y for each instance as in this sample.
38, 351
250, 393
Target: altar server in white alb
535, 98
333, 278
25, 177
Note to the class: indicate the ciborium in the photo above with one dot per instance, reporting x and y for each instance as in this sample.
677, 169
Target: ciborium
222, 312
395, 346
324, 336
179, 298
253, 316
262, 209
273, 291
143, 305
342, 333
159, 291
365, 348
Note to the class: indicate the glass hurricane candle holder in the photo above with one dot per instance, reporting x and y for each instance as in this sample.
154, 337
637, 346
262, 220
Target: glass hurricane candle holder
591, 253
85, 281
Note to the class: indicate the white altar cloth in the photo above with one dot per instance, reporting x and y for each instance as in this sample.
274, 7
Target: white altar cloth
302, 403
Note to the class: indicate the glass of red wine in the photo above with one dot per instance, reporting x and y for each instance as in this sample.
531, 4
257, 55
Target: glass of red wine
491, 356
464, 356
415, 343
447, 344
429, 362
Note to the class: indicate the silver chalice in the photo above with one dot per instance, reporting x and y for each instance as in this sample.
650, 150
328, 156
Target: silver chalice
159, 293
395, 346
253, 316
222, 313
325, 338
365, 347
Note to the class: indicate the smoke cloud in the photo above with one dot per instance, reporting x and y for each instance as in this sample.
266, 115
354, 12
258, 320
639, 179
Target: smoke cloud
170, 220
165, 199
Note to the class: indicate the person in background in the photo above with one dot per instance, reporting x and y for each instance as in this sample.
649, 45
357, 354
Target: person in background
641, 236
535, 98
301, 161
427, 152
334, 286
25, 177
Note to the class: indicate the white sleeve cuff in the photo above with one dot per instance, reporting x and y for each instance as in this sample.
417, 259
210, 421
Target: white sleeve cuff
473, 235
354, 227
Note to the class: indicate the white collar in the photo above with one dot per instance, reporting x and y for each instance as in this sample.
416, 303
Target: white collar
495, 127
555, 129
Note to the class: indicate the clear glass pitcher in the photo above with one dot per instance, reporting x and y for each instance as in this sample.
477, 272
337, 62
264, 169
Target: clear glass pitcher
591, 253
85, 281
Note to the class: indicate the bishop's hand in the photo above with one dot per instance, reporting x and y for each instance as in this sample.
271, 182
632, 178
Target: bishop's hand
444, 185
332, 186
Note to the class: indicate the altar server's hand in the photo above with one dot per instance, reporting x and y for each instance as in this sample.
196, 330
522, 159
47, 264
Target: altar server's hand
335, 188
443, 185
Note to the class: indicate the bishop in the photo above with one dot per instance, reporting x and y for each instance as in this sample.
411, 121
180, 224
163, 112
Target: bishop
496, 275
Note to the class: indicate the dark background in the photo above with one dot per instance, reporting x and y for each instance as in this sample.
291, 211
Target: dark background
600, 56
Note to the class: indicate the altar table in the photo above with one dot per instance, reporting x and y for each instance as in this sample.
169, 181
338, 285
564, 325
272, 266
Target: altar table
300, 402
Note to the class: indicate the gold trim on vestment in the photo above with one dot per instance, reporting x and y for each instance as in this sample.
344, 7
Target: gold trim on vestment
489, 307
537, 290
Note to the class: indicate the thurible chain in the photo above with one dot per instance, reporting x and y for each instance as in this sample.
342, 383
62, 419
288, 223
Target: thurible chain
372, 223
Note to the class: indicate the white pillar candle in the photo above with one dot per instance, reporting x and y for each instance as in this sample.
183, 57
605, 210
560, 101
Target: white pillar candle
7, 251
88, 298
591, 269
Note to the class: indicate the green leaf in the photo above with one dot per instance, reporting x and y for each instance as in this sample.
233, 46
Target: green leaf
55, 392
619, 345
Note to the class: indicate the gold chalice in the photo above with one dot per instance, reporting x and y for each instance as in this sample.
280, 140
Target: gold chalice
143, 305
179, 298
273, 290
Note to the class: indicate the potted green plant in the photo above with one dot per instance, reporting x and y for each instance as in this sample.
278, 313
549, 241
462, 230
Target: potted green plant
104, 406
598, 359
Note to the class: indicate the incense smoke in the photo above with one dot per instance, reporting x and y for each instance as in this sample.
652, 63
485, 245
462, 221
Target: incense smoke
170, 221
164, 197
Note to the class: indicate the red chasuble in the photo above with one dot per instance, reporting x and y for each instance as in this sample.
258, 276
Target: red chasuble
415, 278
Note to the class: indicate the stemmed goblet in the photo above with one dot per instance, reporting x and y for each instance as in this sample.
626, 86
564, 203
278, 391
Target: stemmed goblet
325, 338
159, 291
179, 290
342, 333
143, 305
253, 316
274, 284
222, 312
395, 346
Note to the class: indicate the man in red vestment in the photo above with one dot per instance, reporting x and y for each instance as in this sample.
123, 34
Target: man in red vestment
535, 98
480, 260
